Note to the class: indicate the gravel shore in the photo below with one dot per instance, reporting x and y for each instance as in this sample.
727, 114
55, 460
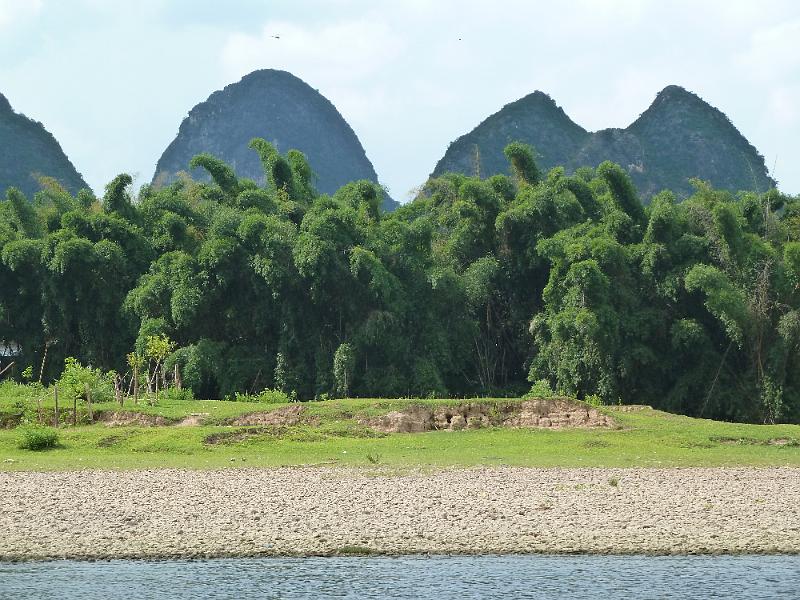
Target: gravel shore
315, 510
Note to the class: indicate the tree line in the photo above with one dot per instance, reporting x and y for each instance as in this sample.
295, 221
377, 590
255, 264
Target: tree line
477, 287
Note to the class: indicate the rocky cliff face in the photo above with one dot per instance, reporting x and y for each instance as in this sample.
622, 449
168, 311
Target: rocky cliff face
678, 137
276, 106
534, 117
28, 151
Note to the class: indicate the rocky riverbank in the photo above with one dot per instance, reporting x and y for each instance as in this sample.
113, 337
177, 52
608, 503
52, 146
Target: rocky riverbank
316, 510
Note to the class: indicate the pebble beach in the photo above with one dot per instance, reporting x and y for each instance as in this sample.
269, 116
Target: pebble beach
305, 511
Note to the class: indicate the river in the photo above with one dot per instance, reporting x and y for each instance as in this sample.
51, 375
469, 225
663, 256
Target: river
440, 577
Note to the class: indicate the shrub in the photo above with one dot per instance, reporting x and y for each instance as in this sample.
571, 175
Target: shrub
594, 400
16, 394
183, 395
78, 382
18, 402
36, 437
267, 396
540, 389
12, 391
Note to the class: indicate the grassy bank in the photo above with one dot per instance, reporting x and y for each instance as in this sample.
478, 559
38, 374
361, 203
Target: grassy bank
204, 434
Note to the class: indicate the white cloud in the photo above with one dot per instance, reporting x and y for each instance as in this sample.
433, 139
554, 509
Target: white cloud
13, 11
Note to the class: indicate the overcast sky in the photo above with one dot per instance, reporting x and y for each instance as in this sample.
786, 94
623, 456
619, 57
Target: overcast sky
112, 80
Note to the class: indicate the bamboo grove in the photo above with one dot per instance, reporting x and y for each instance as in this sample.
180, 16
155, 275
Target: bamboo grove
477, 287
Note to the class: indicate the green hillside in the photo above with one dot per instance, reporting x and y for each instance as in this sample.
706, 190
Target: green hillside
219, 434
678, 138
28, 152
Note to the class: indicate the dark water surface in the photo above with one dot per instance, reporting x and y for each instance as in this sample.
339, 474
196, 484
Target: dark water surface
441, 577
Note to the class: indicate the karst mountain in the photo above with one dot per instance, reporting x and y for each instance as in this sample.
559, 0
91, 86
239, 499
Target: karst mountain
281, 108
678, 137
28, 152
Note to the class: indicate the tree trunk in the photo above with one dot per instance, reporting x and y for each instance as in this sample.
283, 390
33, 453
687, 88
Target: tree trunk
118, 392
156, 382
44, 360
89, 404
7, 367
135, 384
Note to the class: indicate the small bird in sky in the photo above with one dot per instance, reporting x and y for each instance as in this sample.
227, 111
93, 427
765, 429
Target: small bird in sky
277, 37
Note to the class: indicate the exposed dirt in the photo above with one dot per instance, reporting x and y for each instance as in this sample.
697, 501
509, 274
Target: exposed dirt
240, 435
112, 440
285, 416
784, 442
413, 419
193, 420
632, 407
552, 413
9, 421
108, 441
745, 441
121, 418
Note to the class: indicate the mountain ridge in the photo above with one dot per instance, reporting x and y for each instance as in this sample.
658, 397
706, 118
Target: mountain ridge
27, 151
284, 110
678, 137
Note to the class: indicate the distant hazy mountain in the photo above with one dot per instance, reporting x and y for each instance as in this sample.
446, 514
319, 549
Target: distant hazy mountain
678, 137
28, 151
280, 108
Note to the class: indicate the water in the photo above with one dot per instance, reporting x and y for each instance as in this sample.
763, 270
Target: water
441, 577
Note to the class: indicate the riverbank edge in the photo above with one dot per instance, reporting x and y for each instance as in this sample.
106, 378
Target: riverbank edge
632, 496
158, 557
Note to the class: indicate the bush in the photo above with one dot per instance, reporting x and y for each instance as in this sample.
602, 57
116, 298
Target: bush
183, 395
267, 396
37, 438
12, 391
18, 402
594, 400
77, 381
540, 389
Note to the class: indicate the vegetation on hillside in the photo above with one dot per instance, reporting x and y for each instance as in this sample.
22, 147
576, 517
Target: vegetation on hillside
679, 137
478, 287
288, 110
337, 432
31, 159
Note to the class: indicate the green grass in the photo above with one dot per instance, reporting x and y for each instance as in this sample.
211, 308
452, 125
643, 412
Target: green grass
331, 434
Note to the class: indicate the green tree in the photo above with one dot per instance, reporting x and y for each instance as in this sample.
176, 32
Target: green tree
344, 362
157, 349
523, 163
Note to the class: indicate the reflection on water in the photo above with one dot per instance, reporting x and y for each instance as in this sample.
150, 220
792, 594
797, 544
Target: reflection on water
438, 577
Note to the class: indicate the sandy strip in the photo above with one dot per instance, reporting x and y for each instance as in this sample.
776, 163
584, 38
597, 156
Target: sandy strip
252, 512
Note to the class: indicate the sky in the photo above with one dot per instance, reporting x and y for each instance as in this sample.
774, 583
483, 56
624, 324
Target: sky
112, 80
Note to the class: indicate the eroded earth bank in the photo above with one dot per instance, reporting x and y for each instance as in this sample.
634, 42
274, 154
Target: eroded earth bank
320, 510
